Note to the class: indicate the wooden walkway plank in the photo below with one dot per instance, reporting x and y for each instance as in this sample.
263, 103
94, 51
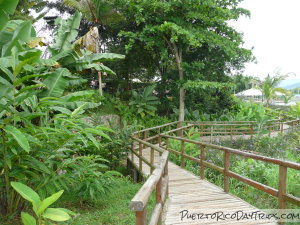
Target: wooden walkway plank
189, 192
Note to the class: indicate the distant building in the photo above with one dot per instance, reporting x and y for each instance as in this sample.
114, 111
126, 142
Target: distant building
251, 94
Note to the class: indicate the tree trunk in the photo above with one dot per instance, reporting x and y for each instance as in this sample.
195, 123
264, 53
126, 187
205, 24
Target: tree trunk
100, 83
177, 51
181, 99
91, 43
178, 57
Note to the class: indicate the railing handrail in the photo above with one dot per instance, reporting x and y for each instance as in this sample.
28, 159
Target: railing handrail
140, 200
158, 180
153, 128
289, 164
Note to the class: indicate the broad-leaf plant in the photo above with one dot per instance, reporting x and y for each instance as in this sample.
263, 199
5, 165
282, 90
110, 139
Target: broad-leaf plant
43, 138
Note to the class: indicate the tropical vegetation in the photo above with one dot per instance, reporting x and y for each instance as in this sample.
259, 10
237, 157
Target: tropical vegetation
63, 144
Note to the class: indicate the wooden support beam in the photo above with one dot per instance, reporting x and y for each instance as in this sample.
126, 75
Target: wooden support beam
282, 186
202, 158
226, 169
182, 154
141, 217
152, 159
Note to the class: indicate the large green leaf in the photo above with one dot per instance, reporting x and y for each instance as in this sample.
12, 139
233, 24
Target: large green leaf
56, 215
3, 19
78, 110
85, 65
18, 136
26, 192
102, 57
56, 83
22, 33
49, 201
9, 6
92, 139
66, 34
6, 8
148, 90
61, 109
97, 132
77, 95
28, 219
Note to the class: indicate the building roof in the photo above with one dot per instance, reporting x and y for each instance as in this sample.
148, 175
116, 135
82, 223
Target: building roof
254, 92
250, 92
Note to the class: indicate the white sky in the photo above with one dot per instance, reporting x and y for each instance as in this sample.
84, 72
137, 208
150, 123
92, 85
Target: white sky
274, 32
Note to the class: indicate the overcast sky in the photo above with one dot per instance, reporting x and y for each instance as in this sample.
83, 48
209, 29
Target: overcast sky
274, 32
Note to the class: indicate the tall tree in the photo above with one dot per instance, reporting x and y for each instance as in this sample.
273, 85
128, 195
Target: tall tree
178, 29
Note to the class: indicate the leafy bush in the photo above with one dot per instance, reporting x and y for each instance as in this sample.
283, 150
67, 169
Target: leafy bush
41, 125
144, 103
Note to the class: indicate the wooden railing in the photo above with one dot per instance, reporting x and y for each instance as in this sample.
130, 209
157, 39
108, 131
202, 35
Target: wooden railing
281, 193
158, 179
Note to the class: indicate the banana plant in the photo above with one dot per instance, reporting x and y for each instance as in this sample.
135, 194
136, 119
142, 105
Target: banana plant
41, 207
69, 53
145, 103
40, 126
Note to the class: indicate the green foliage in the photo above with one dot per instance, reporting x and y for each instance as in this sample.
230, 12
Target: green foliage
287, 97
41, 207
269, 89
244, 82
161, 42
111, 209
43, 135
69, 54
145, 103
6, 9
295, 110
206, 85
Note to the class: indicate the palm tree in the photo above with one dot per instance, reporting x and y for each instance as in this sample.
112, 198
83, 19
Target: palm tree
269, 87
287, 97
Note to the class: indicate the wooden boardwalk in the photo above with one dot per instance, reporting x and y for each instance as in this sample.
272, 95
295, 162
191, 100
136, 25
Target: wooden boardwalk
191, 198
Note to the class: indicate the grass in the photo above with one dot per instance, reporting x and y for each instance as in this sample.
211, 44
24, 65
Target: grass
113, 208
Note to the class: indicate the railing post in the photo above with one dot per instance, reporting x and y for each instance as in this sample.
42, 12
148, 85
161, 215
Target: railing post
166, 172
140, 160
179, 132
159, 138
152, 160
251, 130
159, 197
182, 154
282, 186
132, 155
141, 217
159, 190
226, 169
202, 155
167, 143
231, 132
145, 136
211, 133
281, 127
